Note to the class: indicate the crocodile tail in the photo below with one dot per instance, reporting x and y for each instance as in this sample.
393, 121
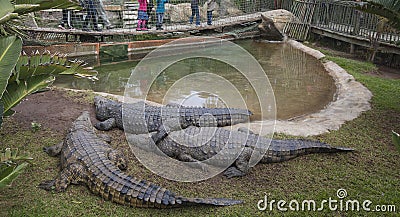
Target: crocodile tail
282, 150
320, 147
231, 116
209, 201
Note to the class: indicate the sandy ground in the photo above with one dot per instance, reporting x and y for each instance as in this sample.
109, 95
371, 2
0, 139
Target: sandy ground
52, 109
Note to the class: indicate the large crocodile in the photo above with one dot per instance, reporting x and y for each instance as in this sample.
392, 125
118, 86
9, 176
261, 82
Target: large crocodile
198, 144
142, 118
86, 158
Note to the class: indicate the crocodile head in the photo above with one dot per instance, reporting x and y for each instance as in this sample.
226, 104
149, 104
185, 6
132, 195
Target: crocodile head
104, 107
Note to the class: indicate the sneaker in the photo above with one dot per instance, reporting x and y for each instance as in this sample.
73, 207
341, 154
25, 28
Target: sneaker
61, 27
85, 29
144, 29
138, 29
110, 27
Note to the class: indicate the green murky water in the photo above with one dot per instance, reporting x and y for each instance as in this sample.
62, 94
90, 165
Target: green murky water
300, 84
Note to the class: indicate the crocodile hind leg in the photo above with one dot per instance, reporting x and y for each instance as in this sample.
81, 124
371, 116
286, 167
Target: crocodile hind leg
118, 158
53, 150
245, 130
241, 167
106, 125
73, 173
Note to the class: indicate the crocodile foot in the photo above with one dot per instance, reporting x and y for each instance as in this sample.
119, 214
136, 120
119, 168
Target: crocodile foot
47, 185
233, 172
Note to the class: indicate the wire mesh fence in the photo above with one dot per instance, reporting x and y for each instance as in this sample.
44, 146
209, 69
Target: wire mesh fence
180, 15
113, 14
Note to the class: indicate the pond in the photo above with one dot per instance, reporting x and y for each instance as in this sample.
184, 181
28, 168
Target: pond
300, 83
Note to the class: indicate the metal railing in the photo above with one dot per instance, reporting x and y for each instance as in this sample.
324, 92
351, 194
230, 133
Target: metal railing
122, 15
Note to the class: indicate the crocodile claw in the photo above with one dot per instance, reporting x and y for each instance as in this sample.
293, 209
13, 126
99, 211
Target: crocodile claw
47, 185
233, 172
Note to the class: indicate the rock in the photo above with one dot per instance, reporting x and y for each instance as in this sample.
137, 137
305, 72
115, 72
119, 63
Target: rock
273, 23
228, 7
178, 12
181, 12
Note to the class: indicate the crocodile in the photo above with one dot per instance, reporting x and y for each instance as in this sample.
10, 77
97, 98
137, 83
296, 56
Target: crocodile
198, 144
143, 118
86, 158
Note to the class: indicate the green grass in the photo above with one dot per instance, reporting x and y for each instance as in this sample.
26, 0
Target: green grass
372, 172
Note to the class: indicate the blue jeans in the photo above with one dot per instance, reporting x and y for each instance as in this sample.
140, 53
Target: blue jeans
209, 17
195, 12
160, 18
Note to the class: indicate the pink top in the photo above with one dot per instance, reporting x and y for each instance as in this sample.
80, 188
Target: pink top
142, 5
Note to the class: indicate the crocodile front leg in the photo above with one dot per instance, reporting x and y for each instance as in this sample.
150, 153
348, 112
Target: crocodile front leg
53, 150
241, 167
118, 158
196, 164
73, 173
106, 125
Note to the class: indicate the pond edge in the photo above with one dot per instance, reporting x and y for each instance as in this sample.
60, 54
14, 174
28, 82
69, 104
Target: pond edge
350, 100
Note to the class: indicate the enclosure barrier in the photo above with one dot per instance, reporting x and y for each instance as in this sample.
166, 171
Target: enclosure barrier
119, 19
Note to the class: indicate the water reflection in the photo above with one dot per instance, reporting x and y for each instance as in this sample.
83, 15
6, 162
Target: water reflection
300, 84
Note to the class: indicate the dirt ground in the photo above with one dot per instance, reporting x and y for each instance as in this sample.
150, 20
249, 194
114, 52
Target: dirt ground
53, 109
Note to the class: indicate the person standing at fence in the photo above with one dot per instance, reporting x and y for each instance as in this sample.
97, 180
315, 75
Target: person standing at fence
91, 15
150, 7
194, 5
160, 13
142, 15
102, 14
66, 22
211, 5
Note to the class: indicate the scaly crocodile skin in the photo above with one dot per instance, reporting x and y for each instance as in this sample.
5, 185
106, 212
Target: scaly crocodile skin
196, 144
86, 158
142, 118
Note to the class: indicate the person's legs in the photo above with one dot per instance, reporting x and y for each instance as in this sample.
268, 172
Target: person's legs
193, 14
160, 17
64, 22
144, 25
161, 20
103, 15
145, 18
209, 17
139, 25
158, 21
94, 19
197, 16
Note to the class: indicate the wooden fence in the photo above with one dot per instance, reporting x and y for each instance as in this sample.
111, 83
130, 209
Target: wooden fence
337, 17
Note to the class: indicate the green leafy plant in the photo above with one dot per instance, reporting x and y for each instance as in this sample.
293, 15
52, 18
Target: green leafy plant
12, 10
388, 9
9, 168
35, 126
22, 74
396, 140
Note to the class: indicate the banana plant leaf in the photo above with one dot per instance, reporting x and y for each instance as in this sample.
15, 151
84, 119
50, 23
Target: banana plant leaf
54, 64
10, 48
1, 113
9, 172
389, 9
17, 91
37, 71
6, 7
26, 8
396, 140
10, 155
